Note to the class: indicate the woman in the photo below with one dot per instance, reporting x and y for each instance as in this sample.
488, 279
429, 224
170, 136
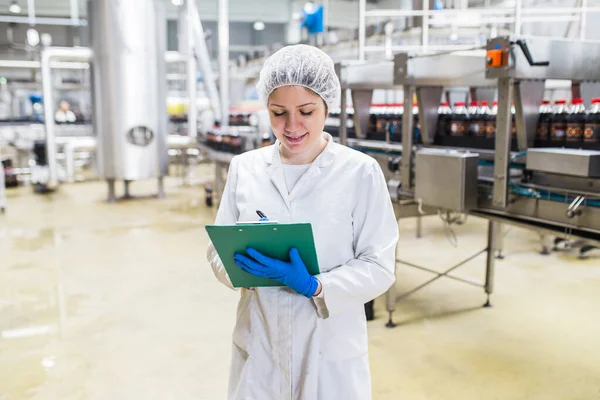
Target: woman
307, 339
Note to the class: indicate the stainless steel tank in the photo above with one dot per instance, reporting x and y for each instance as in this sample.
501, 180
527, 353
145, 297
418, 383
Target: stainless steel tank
129, 89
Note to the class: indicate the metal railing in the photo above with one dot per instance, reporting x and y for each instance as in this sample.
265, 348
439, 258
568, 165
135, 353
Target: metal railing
517, 16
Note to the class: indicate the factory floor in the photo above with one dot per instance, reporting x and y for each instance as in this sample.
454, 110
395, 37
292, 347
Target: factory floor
116, 301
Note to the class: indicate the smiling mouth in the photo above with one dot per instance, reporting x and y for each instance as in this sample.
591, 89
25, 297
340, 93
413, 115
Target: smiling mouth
295, 139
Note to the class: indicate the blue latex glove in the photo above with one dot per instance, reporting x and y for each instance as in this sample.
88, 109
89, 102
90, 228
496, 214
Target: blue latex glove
292, 274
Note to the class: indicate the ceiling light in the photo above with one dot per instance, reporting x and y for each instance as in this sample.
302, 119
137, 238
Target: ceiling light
46, 39
177, 2
308, 7
33, 37
259, 26
14, 8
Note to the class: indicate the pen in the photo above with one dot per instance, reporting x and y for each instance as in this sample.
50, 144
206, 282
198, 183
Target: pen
261, 214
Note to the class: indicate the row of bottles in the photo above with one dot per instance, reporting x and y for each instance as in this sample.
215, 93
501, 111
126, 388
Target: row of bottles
383, 119
332, 122
559, 124
477, 120
570, 124
240, 118
231, 141
386, 119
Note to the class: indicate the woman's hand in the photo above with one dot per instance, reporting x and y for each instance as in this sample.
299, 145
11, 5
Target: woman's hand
292, 274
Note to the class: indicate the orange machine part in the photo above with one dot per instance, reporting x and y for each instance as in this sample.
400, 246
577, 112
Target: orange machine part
494, 58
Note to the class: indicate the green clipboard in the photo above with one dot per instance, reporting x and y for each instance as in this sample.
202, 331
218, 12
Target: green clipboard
271, 239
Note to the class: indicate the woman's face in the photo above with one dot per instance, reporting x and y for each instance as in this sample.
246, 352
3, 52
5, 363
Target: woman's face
297, 117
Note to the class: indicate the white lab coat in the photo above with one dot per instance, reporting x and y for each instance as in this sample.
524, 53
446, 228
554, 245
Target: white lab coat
286, 346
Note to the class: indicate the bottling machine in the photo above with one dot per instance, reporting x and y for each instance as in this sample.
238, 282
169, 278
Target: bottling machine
506, 180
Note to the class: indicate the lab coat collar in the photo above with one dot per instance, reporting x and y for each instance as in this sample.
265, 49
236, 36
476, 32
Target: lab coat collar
275, 170
323, 160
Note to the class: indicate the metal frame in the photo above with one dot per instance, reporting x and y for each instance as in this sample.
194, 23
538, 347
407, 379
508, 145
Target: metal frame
488, 285
49, 54
516, 16
520, 82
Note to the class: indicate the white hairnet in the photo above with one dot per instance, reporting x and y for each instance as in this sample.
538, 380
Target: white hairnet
300, 65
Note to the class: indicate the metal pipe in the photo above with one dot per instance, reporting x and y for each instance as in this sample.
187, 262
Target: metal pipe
70, 147
450, 12
162, 113
566, 192
558, 18
583, 20
567, 10
205, 64
174, 57
397, 49
81, 54
37, 64
456, 278
407, 139
41, 21
425, 26
503, 143
75, 12
31, 12
440, 275
525, 222
362, 22
478, 11
490, 260
344, 118
224, 60
2, 183
325, 16
389, 55
191, 72
518, 22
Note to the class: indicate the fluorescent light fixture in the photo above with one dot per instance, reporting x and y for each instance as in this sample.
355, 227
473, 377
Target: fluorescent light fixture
177, 2
259, 26
14, 8
46, 39
33, 37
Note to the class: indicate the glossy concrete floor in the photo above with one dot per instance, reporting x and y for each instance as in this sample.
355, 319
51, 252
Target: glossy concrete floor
102, 301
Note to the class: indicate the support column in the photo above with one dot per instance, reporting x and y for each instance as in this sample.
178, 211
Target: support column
126, 184
407, 139
112, 198
161, 187
503, 142
490, 263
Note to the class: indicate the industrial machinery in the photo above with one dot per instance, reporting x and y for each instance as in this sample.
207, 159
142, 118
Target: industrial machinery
128, 88
501, 173
246, 130
128, 93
